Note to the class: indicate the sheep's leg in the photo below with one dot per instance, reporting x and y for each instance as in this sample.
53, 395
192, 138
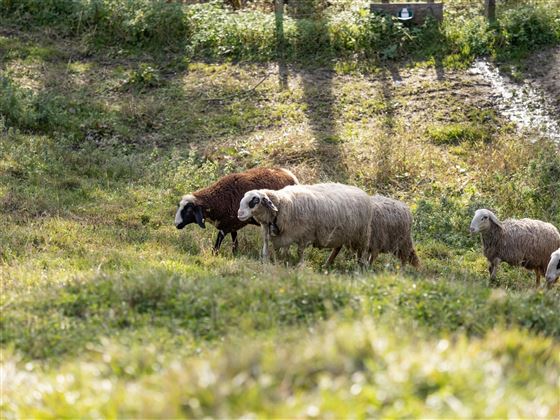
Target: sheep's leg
413, 259
300, 249
282, 254
266, 239
493, 268
274, 254
538, 276
333, 255
235, 242
218, 244
363, 259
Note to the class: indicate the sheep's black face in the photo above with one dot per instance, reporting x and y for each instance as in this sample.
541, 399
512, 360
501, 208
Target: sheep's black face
190, 213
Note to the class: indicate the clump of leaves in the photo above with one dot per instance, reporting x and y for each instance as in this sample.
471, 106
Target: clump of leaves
144, 77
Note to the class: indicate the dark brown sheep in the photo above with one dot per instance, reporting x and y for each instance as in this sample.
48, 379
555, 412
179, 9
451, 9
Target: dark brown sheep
219, 202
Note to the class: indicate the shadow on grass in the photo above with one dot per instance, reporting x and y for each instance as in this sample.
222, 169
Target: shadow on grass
318, 97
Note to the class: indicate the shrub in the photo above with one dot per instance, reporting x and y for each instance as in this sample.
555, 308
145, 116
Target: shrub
123, 22
528, 27
211, 30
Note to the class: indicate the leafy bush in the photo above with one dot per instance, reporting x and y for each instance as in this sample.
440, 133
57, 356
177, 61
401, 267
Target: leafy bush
528, 27
216, 33
123, 22
213, 31
145, 76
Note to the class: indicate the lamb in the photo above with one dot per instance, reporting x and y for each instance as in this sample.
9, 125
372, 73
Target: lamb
391, 231
218, 203
553, 270
323, 215
525, 242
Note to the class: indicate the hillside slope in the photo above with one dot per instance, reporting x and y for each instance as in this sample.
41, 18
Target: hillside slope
103, 299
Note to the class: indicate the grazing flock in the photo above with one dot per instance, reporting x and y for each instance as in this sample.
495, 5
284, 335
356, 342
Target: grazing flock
333, 215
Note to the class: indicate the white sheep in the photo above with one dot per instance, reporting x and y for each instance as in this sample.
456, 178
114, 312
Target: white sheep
391, 231
327, 215
553, 269
525, 242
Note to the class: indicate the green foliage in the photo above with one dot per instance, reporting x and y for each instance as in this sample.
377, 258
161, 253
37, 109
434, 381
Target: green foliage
144, 77
471, 37
527, 28
211, 30
108, 310
446, 218
454, 134
106, 22
207, 306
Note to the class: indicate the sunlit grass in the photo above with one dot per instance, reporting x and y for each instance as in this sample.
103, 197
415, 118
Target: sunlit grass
342, 369
107, 310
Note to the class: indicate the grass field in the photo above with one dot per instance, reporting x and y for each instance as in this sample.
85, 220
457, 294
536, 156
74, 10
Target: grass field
107, 310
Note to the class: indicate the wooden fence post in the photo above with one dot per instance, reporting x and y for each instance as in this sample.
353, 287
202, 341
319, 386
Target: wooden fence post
490, 6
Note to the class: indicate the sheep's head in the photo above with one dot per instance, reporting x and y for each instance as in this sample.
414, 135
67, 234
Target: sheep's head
256, 204
189, 212
553, 270
483, 220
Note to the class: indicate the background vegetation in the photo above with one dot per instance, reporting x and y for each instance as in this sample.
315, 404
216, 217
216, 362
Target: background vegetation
310, 31
111, 110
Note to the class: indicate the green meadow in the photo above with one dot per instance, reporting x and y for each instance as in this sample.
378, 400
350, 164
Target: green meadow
107, 310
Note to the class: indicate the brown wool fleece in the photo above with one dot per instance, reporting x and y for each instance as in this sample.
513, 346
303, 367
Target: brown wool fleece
220, 200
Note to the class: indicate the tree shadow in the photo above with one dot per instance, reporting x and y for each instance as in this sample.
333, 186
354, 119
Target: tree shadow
438, 64
390, 76
317, 84
281, 45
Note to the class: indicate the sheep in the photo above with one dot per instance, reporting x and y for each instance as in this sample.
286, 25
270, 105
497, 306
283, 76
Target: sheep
326, 215
525, 242
218, 203
553, 269
391, 231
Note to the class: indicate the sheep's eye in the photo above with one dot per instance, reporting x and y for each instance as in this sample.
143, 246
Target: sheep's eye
254, 201
484, 217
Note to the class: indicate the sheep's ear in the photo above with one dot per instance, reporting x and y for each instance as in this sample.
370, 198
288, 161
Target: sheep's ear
199, 217
495, 220
268, 204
